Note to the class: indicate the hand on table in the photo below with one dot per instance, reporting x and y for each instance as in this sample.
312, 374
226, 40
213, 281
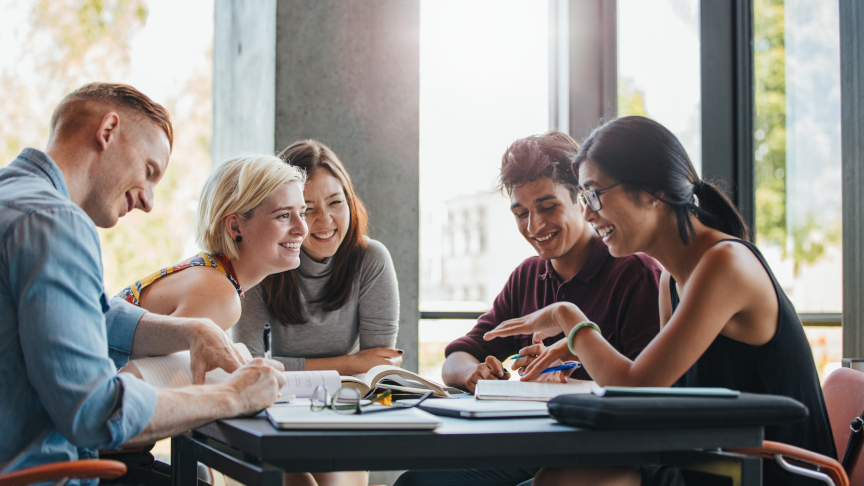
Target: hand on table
366, 359
491, 369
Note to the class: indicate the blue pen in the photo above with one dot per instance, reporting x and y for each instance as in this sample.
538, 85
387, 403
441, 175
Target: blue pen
567, 365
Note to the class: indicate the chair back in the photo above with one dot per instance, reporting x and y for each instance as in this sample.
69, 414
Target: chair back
844, 398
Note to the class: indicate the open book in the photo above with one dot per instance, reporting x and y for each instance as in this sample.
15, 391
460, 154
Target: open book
397, 380
540, 391
174, 371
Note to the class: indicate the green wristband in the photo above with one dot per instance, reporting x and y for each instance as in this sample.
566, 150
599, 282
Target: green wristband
576, 329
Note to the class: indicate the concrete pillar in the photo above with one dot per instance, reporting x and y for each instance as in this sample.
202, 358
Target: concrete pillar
346, 72
244, 78
852, 125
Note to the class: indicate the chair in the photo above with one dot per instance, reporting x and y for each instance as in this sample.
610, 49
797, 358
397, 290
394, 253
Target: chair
844, 399
63, 471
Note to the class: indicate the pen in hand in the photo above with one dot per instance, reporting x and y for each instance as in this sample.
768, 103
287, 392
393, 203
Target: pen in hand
267, 341
567, 365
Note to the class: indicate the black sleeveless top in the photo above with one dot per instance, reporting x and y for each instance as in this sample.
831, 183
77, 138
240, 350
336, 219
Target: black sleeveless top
782, 366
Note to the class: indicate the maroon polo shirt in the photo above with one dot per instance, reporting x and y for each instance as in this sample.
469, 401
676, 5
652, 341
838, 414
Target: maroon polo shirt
619, 294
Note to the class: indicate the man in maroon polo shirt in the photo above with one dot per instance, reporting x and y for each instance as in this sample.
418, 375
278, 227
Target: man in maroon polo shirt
573, 265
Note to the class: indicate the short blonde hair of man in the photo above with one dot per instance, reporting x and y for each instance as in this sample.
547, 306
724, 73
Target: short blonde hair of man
73, 110
238, 186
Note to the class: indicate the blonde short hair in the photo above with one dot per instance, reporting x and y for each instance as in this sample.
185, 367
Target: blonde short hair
238, 186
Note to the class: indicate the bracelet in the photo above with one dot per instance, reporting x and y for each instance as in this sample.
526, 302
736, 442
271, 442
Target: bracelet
576, 329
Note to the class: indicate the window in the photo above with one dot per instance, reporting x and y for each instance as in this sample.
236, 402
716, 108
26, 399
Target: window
659, 67
797, 158
51, 48
483, 84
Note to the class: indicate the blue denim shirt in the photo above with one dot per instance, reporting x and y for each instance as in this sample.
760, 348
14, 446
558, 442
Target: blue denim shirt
62, 342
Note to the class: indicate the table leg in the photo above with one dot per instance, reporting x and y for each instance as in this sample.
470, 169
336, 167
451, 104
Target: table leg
743, 470
184, 467
187, 450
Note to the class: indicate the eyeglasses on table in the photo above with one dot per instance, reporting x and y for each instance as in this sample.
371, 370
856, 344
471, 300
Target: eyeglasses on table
347, 401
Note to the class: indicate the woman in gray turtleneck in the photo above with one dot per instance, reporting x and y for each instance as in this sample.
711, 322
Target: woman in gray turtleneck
340, 309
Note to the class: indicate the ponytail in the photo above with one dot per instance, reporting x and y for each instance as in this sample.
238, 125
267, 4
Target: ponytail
717, 211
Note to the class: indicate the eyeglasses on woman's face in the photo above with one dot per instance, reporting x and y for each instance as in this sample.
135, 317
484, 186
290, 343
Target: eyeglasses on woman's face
591, 198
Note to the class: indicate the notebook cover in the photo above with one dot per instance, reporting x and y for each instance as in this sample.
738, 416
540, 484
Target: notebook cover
629, 413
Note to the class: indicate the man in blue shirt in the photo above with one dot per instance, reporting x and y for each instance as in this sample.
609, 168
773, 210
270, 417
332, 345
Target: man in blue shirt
61, 397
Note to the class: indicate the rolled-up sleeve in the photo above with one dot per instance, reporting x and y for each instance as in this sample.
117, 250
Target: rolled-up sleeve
378, 306
121, 320
56, 278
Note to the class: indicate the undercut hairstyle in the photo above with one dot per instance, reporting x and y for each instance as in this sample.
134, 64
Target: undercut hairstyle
540, 156
281, 291
238, 186
80, 104
643, 155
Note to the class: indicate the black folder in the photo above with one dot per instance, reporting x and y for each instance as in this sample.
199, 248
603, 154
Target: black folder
630, 413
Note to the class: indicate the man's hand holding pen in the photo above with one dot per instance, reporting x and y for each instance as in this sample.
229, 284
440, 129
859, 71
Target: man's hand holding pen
491, 369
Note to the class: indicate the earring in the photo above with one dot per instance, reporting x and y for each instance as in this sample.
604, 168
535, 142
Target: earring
240, 238
655, 204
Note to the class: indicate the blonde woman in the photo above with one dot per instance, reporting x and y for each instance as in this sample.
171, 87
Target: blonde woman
251, 223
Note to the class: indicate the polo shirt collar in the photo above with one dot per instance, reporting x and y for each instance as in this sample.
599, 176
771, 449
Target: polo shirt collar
596, 260
41, 165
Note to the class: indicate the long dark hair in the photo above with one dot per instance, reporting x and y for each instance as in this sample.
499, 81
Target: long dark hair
643, 155
281, 292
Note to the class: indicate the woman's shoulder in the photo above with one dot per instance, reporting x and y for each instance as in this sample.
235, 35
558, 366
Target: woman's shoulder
730, 252
734, 264
376, 253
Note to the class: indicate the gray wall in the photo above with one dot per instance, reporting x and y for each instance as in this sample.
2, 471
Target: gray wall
852, 126
346, 72
244, 78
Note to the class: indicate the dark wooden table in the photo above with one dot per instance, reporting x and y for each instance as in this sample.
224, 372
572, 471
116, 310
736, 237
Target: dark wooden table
251, 451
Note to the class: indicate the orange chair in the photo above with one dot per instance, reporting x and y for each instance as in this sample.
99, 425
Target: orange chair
87, 468
844, 398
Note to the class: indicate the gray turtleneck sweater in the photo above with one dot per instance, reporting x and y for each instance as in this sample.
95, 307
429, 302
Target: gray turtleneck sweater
369, 319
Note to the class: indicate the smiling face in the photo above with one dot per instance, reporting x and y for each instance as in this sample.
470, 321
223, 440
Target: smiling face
625, 222
328, 216
127, 172
549, 219
273, 235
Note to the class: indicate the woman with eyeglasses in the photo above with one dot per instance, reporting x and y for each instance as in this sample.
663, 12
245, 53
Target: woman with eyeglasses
725, 320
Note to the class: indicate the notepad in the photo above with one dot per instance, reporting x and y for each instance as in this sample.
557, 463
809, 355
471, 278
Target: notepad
539, 391
301, 418
174, 371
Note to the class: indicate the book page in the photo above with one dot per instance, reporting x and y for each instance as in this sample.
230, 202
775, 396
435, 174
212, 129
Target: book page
528, 390
302, 383
175, 370
400, 376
